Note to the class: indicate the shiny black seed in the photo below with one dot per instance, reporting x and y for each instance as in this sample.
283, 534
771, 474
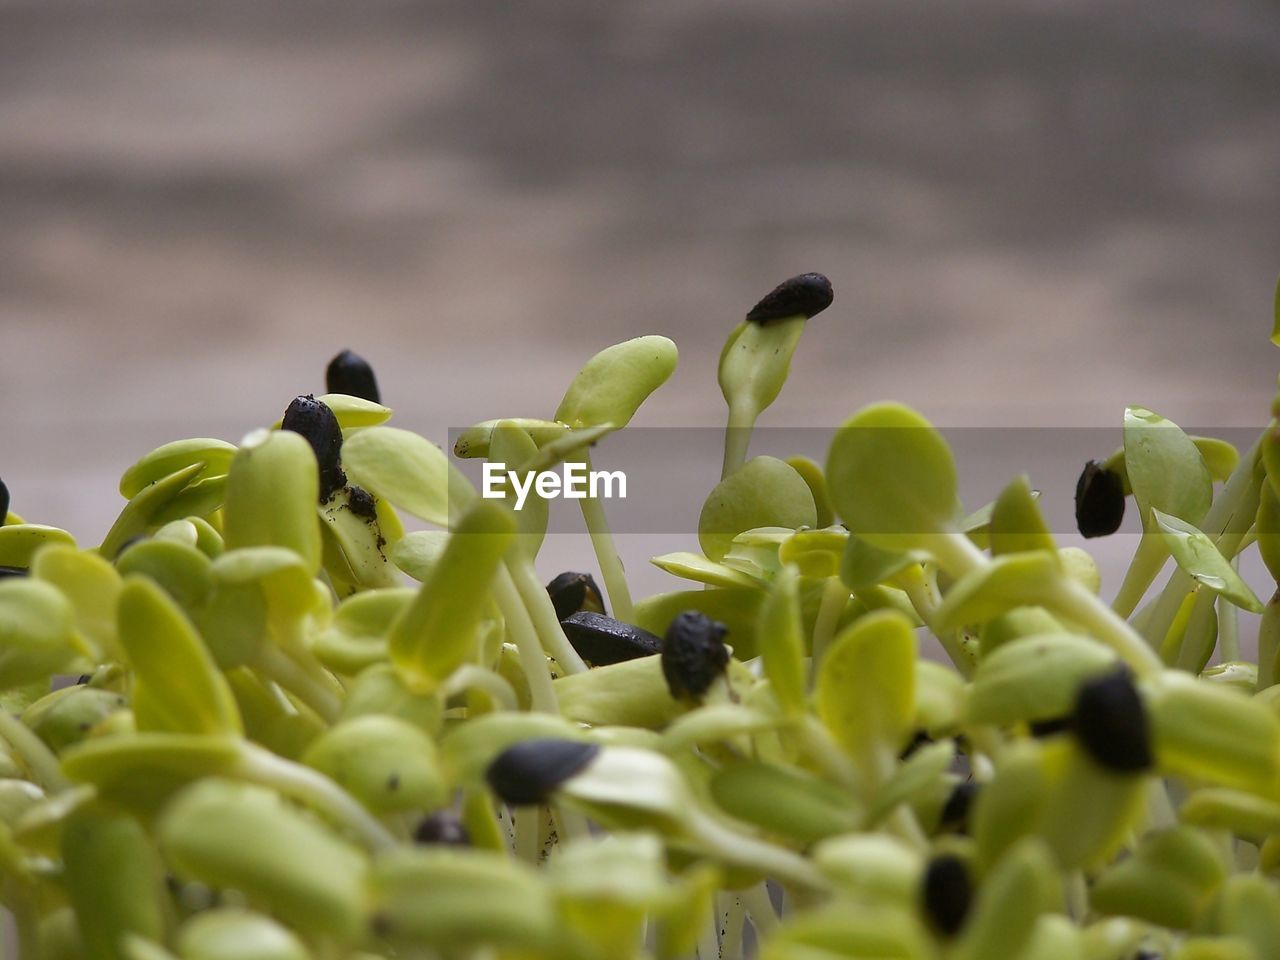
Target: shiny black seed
571, 592
1099, 500
601, 640
947, 893
530, 772
804, 296
351, 374
4, 502
361, 503
1048, 728
1111, 723
13, 572
319, 427
955, 812
693, 654
442, 827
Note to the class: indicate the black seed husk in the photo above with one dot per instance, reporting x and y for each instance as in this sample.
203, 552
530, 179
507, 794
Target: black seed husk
955, 812
693, 654
601, 640
319, 427
13, 572
1099, 500
806, 295
571, 592
351, 374
1111, 723
947, 893
442, 827
529, 772
4, 502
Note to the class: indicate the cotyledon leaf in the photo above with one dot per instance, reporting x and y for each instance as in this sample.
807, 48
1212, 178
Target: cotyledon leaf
405, 469
611, 385
1165, 469
1196, 554
892, 477
866, 684
187, 692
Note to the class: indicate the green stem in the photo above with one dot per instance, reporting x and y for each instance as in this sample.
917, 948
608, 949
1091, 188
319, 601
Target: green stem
759, 908
528, 829
732, 913
1086, 609
317, 791
39, 760
737, 437
835, 596
471, 676
745, 851
1191, 645
925, 604
1269, 642
1228, 630
532, 660
543, 614
615, 579
956, 553
1148, 560
278, 666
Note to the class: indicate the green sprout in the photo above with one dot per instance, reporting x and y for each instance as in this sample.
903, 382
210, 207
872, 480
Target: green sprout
261, 719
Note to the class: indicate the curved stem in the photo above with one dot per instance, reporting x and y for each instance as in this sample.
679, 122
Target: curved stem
278, 666
1104, 623
835, 595
615, 578
737, 437
1269, 642
470, 676
1148, 560
316, 791
532, 659
39, 760
918, 592
745, 851
543, 614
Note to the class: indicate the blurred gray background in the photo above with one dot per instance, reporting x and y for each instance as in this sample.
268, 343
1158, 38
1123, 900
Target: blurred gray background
1034, 213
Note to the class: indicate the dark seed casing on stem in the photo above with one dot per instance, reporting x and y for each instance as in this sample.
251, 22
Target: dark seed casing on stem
529, 772
804, 296
351, 374
1111, 723
4, 502
601, 640
947, 893
442, 827
1099, 500
693, 654
319, 427
571, 592
955, 812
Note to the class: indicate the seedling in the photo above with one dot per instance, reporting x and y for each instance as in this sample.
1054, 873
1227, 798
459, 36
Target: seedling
302, 731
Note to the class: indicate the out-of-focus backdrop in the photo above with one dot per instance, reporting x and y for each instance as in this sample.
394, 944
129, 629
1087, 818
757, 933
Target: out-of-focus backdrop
1033, 212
